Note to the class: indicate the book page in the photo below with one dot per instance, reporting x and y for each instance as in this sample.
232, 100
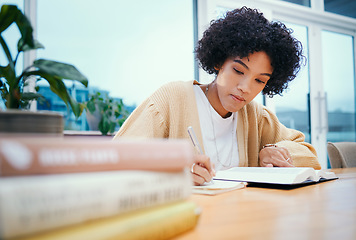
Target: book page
325, 175
216, 186
267, 175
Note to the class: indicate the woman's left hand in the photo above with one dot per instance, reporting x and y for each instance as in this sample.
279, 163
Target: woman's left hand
275, 156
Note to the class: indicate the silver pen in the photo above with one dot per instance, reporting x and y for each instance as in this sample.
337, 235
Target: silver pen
197, 146
194, 139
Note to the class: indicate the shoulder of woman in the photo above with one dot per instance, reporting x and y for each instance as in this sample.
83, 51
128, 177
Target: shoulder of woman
175, 88
172, 93
180, 84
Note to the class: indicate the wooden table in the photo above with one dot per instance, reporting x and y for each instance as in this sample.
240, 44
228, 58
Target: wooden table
322, 211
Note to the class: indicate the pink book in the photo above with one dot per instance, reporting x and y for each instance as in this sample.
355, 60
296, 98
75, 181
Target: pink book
48, 155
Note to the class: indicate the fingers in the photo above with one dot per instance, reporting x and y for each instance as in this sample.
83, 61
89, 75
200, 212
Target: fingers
202, 170
275, 156
281, 163
284, 159
286, 155
201, 174
204, 161
198, 180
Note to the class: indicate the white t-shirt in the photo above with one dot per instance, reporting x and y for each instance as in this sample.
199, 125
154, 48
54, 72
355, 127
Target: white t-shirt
219, 134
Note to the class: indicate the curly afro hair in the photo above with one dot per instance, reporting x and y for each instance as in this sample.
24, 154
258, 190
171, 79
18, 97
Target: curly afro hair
245, 31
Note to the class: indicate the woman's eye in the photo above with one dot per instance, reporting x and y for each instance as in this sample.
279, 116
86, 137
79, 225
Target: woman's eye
260, 81
239, 72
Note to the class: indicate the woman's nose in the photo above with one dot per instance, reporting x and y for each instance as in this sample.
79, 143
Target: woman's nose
244, 85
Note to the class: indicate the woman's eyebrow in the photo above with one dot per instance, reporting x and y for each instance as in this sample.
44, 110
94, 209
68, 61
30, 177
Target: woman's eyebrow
244, 65
241, 62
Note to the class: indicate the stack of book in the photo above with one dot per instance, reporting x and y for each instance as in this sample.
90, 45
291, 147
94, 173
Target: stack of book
55, 188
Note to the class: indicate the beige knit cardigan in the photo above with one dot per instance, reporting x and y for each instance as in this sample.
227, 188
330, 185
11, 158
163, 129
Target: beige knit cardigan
169, 111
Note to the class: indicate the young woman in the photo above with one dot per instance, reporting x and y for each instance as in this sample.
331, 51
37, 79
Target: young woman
248, 54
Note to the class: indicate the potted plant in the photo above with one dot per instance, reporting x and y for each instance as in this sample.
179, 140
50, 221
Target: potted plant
104, 113
12, 84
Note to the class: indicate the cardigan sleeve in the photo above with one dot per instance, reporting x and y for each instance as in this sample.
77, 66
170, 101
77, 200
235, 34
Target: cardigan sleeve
146, 121
272, 131
167, 113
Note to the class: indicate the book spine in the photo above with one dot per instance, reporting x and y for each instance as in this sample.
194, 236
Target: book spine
163, 222
51, 156
35, 203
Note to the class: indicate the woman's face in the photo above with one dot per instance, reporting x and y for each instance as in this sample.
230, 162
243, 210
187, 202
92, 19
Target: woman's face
240, 80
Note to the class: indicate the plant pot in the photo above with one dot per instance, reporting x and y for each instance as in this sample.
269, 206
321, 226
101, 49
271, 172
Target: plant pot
23, 121
93, 119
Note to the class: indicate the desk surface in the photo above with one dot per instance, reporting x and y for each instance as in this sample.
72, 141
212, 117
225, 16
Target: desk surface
321, 211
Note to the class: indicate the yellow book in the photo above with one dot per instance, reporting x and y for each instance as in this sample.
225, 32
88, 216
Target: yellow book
161, 222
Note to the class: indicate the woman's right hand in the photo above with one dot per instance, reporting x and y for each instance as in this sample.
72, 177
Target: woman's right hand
202, 169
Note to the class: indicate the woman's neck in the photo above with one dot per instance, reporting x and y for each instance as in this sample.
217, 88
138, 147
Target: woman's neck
211, 93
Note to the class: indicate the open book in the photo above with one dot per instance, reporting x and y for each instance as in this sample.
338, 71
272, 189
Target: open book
280, 176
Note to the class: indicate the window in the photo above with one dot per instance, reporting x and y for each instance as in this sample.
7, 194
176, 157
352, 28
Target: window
292, 108
339, 82
299, 2
129, 48
342, 7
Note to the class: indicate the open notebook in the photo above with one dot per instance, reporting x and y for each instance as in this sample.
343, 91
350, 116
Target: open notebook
297, 176
216, 187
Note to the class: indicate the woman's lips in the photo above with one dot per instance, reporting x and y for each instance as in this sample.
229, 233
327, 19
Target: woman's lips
238, 98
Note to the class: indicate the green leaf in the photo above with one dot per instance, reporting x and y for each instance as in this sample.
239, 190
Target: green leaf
8, 73
3, 72
112, 127
26, 30
76, 107
11, 14
28, 96
61, 70
104, 126
58, 87
25, 47
121, 121
119, 107
8, 15
91, 106
7, 53
117, 114
82, 107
